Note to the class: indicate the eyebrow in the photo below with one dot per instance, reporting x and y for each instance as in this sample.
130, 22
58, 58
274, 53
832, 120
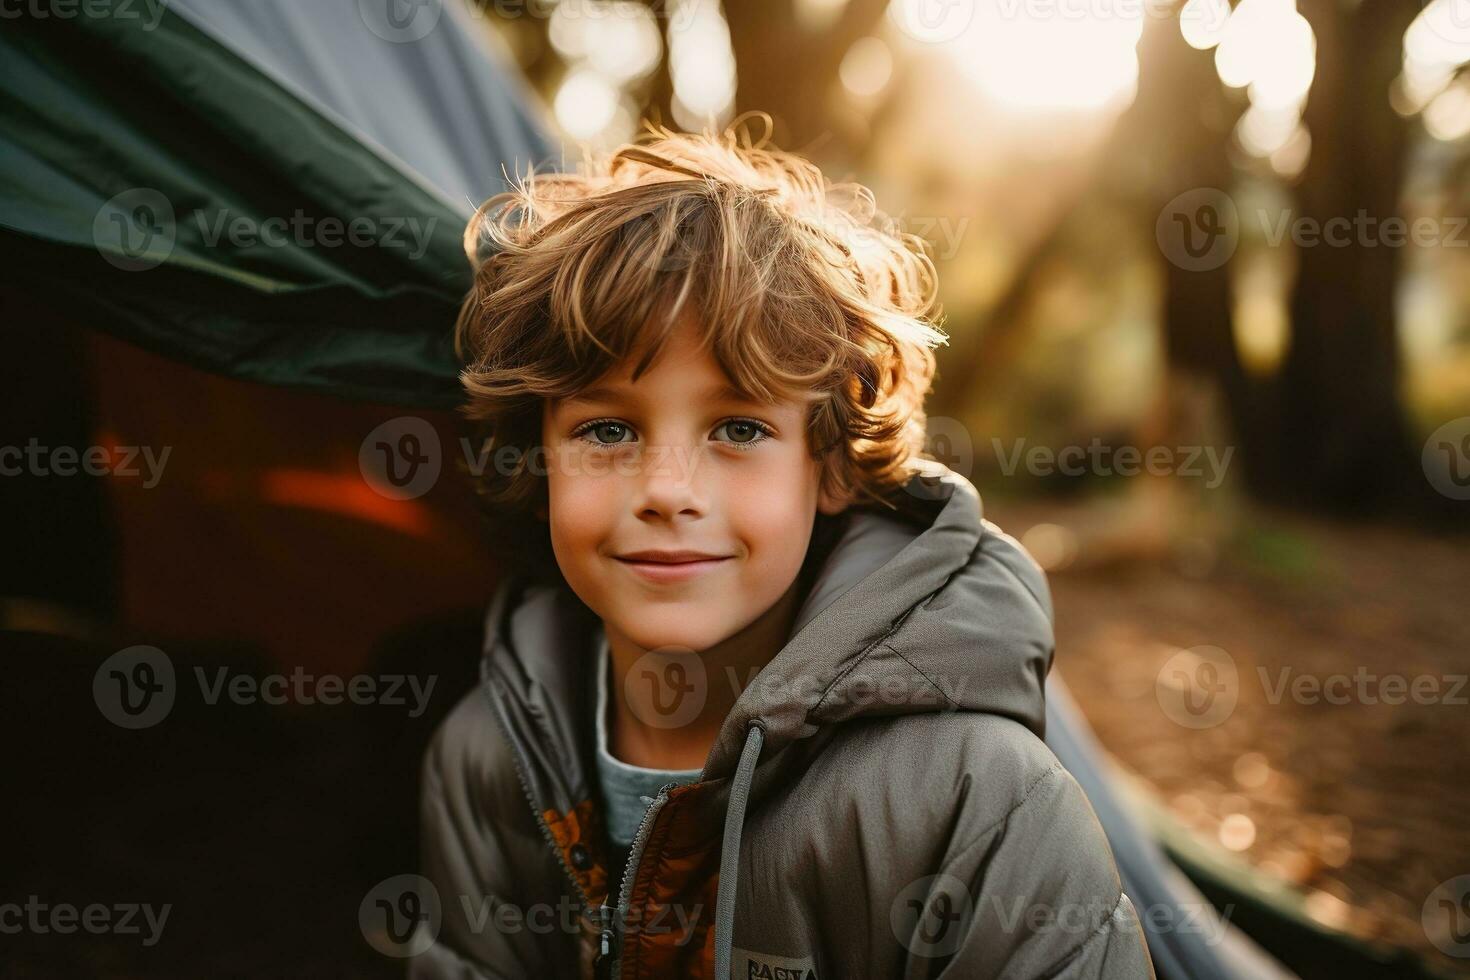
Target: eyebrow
722, 392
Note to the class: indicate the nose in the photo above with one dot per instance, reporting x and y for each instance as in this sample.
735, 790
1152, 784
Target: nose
671, 485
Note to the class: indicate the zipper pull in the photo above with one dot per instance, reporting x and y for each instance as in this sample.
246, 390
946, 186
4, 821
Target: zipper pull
605, 913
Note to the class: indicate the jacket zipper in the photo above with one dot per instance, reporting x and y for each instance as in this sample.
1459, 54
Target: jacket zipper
609, 958
612, 938
609, 920
515, 755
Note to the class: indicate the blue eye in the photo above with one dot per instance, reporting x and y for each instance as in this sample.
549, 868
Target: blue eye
607, 433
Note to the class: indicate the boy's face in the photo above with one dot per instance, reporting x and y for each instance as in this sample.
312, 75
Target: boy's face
672, 463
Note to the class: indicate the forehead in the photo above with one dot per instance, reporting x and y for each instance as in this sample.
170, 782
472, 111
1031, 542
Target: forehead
633, 391
661, 392
683, 371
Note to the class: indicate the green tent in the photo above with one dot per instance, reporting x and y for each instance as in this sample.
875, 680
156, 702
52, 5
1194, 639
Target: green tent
231, 213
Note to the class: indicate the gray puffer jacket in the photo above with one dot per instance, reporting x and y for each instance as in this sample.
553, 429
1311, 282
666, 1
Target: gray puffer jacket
879, 802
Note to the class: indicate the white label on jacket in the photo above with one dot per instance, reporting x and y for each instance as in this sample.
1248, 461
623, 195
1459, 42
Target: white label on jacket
747, 964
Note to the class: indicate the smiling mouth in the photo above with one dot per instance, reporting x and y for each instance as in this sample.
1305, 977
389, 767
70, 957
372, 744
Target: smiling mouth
671, 568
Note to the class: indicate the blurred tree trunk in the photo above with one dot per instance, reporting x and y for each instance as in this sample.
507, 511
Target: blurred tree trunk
1183, 120
1346, 444
788, 71
659, 104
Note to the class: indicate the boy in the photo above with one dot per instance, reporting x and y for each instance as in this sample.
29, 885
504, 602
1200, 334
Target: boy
765, 699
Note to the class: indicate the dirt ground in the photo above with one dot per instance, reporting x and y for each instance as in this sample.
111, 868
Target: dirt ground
1312, 776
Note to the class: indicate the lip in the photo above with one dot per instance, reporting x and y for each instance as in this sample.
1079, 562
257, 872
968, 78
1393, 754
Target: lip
671, 566
669, 556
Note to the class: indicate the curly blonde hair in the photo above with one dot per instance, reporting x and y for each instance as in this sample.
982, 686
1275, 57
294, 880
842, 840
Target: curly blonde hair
795, 284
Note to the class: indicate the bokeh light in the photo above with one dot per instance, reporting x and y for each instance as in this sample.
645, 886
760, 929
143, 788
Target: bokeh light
1023, 60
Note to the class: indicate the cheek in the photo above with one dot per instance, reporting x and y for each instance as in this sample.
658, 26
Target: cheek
579, 515
771, 508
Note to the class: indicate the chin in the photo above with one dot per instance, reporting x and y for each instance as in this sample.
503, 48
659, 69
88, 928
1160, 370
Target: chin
682, 629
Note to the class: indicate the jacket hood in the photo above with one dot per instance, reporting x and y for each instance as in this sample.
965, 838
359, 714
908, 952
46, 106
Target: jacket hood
928, 608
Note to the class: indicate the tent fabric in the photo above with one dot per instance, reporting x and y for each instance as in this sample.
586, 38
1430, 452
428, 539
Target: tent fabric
1187, 939
427, 84
207, 209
